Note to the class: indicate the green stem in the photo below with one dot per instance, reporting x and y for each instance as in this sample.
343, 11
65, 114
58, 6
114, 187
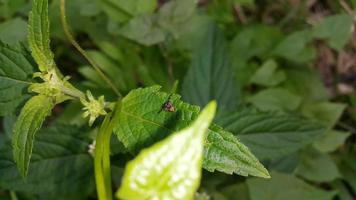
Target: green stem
82, 51
102, 155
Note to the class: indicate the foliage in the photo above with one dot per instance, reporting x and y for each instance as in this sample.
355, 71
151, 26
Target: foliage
124, 115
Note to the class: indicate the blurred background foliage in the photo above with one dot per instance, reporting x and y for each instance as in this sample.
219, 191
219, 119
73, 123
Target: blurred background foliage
282, 57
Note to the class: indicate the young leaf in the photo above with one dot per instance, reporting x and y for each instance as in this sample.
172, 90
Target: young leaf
16, 68
30, 120
143, 122
210, 75
60, 165
170, 169
268, 135
39, 39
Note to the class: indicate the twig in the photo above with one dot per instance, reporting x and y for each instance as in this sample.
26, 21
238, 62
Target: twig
82, 51
240, 14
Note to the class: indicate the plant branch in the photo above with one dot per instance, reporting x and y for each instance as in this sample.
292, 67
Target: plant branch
82, 51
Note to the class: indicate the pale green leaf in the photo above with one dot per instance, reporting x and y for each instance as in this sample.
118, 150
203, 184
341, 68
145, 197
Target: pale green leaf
16, 68
28, 123
327, 113
210, 75
171, 168
337, 29
39, 38
268, 74
331, 141
60, 165
294, 47
142, 123
316, 166
283, 186
144, 30
268, 135
123, 10
275, 99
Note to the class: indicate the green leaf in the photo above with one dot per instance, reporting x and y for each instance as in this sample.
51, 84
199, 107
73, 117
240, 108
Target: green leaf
16, 68
283, 186
294, 47
331, 141
326, 113
28, 123
271, 136
316, 166
171, 168
13, 31
174, 14
210, 75
39, 38
337, 29
144, 30
123, 10
60, 167
142, 123
268, 75
275, 99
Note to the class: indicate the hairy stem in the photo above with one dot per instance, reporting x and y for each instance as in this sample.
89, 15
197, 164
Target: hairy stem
82, 51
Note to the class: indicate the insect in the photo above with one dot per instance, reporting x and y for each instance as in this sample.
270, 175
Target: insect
168, 105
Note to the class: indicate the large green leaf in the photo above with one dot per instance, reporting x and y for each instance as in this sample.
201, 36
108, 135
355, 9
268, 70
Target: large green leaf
142, 123
283, 186
16, 68
61, 166
268, 135
210, 75
170, 169
28, 123
39, 39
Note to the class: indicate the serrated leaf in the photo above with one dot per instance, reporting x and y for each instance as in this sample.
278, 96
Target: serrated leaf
284, 186
142, 123
171, 168
60, 166
268, 135
210, 75
28, 123
38, 38
16, 68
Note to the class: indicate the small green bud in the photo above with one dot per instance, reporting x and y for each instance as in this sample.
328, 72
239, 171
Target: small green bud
93, 108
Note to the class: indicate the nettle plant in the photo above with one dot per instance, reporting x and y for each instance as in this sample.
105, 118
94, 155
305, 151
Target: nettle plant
172, 139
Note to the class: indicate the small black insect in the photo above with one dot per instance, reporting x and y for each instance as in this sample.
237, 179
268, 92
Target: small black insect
168, 106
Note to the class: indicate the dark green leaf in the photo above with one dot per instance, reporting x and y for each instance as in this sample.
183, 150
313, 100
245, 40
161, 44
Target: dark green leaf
283, 186
268, 135
16, 68
210, 75
61, 166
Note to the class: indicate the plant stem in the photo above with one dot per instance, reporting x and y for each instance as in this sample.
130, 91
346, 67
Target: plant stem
82, 51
